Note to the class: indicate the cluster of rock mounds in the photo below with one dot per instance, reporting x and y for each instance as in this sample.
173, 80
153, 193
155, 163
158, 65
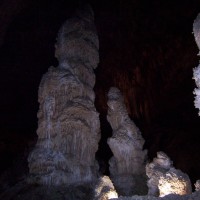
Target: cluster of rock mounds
69, 132
69, 128
129, 170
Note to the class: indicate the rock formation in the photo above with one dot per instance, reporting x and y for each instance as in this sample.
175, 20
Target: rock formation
127, 166
68, 124
196, 71
154, 170
164, 179
197, 185
104, 189
174, 182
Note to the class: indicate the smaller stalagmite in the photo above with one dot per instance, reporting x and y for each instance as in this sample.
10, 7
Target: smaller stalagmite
164, 179
127, 166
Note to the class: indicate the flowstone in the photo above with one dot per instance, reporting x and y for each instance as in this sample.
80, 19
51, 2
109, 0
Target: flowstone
196, 70
68, 123
164, 179
127, 166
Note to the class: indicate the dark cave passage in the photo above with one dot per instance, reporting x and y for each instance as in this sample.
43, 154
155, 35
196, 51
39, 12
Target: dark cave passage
104, 152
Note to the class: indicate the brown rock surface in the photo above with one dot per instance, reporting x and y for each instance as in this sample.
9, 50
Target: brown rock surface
127, 166
68, 124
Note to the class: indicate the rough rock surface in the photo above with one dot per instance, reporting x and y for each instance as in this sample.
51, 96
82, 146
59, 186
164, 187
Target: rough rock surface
68, 124
24, 191
104, 189
196, 70
164, 179
174, 182
127, 166
197, 185
193, 196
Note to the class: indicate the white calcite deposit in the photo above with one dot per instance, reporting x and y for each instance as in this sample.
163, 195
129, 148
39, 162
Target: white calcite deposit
196, 70
164, 179
127, 166
68, 124
104, 189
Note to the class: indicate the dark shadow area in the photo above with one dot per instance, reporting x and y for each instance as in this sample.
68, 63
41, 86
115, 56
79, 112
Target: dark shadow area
104, 152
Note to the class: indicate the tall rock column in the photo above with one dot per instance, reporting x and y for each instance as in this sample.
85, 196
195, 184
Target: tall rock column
127, 166
68, 124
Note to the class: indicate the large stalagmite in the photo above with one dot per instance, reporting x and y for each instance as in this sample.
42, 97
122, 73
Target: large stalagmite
127, 166
68, 124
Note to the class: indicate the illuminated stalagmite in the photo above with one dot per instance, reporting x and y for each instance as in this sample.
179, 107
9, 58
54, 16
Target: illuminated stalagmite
127, 166
104, 189
68, 124
164, 179
196, 71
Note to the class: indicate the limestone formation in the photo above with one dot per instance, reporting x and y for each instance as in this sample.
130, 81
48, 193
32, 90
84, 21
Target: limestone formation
156, 169
196, 71
197, 185
174, 182
104, 189
68, 124
127, 166
164, 179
